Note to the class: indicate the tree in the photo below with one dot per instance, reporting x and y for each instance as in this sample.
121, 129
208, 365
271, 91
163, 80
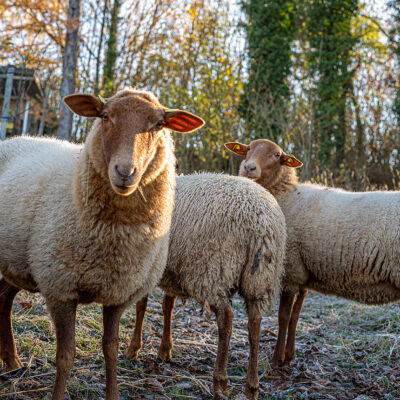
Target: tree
69, 68
202, 73
111, 55
394, 6
331, 41
270, 30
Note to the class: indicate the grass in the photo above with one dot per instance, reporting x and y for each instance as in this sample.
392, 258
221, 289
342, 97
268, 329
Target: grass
344, 351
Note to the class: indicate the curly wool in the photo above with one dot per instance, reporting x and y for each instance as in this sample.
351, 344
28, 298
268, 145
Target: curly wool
341, 243
66, 234
227, 235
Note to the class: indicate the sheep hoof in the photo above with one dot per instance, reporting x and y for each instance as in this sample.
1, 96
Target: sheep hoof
220, 396
131, 354
251, 392
277, 362
287, 363
13, 365
289, 356
220, 388
12, 371
165, 354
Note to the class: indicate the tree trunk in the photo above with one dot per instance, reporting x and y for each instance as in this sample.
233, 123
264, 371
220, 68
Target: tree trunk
111, 56
69, 68
103, 22
43, 119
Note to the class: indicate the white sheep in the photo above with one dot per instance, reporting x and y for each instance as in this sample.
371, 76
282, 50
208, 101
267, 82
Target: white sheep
227, 235
88, 223
339, 243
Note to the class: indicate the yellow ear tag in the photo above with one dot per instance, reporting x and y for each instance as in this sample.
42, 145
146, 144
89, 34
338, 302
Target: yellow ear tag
290, 160
236, 147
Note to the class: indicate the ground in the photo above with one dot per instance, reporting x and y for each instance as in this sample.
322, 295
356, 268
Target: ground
344, 351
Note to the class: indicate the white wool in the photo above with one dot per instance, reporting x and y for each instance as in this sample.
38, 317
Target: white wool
219, 225
343, 243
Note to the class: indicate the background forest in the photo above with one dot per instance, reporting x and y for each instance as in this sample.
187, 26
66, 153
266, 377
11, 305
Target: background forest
320, 77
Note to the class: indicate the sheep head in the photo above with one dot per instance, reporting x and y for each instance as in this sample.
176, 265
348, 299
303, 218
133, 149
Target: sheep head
132, 123
264, 159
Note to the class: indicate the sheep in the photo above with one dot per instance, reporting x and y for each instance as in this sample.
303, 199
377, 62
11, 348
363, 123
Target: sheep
88, 223
340, 243
227, 235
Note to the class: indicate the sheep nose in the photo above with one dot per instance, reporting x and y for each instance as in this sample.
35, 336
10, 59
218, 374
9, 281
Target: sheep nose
250, 166
125, 172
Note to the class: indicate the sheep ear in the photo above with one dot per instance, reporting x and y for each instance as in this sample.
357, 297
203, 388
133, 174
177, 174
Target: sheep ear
182, 121
85, 105
237, 148
290, 161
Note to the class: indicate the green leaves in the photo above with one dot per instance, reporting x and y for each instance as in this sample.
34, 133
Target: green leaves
331, 40
270, 32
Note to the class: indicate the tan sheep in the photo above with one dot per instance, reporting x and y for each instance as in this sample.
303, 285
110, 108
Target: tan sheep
88, 223
227, 235
339, 243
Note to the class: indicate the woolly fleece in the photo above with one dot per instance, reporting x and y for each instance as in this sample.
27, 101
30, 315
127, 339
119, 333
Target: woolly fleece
227, 235
65, 233
340, 243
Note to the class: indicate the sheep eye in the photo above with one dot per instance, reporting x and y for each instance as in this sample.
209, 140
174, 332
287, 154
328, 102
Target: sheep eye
159, 125
104, 117
248, 148
277, 154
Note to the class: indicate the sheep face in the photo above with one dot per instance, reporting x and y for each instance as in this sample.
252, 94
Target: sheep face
131, 128
264, 159
132, 124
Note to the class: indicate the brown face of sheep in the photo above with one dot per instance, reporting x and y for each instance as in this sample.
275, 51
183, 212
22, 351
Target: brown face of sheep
131, 126
264, 159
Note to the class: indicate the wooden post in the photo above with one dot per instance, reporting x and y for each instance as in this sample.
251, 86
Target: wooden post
42, 120
6, 104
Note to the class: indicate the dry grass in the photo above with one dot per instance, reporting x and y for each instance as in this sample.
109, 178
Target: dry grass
344, 351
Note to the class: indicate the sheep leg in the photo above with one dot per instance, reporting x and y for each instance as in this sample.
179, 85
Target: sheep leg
291, 337
136, 342
63, 315
8, 351
111, 317
254, 328
224, 322
164, 352
285, 311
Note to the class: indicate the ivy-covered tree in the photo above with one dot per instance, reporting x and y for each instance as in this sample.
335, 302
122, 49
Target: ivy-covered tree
270, 30
394, 7
331, 42
111, 55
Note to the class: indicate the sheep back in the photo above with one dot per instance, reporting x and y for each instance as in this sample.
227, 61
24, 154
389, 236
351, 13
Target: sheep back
344, 243
227, 234
29, 168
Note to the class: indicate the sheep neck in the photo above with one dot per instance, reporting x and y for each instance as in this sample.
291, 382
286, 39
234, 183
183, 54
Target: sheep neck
281, 184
